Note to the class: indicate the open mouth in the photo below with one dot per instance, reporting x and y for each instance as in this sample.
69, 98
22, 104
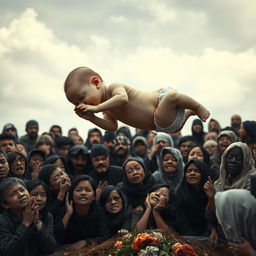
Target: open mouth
83, 198
23, 200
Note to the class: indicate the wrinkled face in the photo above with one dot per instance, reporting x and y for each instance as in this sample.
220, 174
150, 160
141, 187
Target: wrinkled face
159, 194
95, 138
121, 148
170, 163
32, 131
223, 142
7, 145
234, 161
193, 175
197, 153
114, 203
83, 193
4, 167
16, 197
134, 172
100, 163
56, 178
40, 196
86, 93
211, 149
17, 167
185, 147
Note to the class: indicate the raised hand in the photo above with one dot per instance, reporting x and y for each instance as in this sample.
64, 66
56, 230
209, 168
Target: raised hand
29, 213
69, 206
147, 203
209, 188
101, 186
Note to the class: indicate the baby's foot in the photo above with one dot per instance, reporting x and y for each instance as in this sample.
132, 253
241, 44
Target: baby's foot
188, 113
202, 113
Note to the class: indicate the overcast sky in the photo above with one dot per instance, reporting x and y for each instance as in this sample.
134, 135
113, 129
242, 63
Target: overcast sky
206, 49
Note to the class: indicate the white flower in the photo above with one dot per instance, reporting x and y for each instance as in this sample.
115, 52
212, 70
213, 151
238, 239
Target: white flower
152, 251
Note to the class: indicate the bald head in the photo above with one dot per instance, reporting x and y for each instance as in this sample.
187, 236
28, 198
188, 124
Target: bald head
79, 76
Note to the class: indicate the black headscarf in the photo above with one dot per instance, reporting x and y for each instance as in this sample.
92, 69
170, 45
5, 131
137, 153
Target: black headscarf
137, 193
198, 137
115, 221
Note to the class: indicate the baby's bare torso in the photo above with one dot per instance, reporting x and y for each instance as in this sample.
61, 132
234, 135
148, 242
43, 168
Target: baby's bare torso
139, 110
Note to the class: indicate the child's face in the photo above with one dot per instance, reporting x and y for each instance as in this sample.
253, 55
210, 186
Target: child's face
157, 195
40, 196
114, 203
83, 193
87, 94
16, 197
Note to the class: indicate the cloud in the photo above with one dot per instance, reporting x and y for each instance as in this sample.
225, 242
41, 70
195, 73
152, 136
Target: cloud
34, 62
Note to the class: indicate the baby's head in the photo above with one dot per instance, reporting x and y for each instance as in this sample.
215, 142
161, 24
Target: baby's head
80, 83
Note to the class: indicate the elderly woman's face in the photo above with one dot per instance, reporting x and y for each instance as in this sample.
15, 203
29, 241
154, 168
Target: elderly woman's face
234, 161
170, 163
134, 172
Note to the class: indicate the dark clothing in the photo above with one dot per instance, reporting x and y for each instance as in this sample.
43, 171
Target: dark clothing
192, 204
54, 204
113, 175
136, 193
27, 142
90, 227
121, 220
17, 239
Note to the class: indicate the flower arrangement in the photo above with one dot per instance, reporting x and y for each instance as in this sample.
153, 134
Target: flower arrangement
150, 243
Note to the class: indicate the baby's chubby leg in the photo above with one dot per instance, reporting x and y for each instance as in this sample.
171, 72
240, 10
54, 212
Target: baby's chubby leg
166, 111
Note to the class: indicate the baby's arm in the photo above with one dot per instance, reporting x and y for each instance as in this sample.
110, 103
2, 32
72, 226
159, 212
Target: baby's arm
107, 123
116, 96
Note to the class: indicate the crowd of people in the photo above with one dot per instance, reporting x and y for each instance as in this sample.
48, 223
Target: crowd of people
62, 193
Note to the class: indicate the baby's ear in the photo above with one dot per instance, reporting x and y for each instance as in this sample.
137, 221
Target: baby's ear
96, 81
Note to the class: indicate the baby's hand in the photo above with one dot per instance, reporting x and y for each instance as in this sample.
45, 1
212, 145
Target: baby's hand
85, 115
87, 108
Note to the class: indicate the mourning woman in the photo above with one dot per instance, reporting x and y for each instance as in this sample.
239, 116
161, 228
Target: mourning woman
117, 211
192, 200
171, 169
81, 222
137, 182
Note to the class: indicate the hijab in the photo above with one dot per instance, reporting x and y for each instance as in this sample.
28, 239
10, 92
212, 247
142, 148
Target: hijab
236, 213
242, 180
172, 179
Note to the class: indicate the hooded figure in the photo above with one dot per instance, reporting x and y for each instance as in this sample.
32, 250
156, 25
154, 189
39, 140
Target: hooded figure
172, 179
192, 201
136, 193
242, 179
236, 213
198, 133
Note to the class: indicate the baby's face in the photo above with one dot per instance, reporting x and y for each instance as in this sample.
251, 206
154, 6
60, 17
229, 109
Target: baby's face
87, 94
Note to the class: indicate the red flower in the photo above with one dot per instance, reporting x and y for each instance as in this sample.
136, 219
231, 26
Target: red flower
143, 238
